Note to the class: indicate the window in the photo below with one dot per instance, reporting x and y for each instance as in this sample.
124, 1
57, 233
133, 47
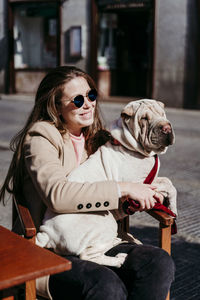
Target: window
35, 35
107, 44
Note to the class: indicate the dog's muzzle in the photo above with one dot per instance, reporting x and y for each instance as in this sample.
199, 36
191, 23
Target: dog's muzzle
162, 134
166, 133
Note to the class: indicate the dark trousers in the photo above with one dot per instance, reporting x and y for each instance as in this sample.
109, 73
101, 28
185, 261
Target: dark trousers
146, 274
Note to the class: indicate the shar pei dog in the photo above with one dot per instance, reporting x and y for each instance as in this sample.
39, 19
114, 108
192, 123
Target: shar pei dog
141, 132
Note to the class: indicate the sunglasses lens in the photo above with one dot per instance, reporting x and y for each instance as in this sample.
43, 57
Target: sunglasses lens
78, 100
92, 95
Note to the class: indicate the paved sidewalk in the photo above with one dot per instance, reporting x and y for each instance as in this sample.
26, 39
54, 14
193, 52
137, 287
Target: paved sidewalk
181, 164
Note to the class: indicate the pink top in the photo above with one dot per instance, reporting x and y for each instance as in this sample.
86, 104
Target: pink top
78, 143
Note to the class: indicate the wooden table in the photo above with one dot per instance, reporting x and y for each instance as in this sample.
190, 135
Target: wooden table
22, 261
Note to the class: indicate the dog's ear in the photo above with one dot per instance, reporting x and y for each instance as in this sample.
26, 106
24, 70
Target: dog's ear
127, 112
161, 104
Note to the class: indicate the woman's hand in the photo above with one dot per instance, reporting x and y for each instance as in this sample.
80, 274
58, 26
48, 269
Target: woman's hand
145, 194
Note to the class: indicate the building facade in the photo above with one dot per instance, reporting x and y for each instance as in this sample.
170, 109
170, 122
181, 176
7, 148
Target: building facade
133, 49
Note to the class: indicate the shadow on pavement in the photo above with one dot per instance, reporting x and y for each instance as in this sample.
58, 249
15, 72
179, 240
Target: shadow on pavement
187, 260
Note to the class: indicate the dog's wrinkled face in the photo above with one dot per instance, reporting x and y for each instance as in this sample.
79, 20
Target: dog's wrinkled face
147, 122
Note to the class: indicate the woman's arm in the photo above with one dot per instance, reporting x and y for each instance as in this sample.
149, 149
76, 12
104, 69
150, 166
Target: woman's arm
48, 164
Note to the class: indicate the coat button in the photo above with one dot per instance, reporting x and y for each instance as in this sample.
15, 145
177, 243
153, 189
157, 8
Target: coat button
106, 203
80, 206
89, 205
98, 204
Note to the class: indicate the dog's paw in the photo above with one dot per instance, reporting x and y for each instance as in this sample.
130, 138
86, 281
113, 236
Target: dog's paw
121, 258
42, 239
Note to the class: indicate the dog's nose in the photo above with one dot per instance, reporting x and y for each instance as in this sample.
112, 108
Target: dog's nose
166, 129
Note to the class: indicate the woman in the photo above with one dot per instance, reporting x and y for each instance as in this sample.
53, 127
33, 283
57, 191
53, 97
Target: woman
58, 136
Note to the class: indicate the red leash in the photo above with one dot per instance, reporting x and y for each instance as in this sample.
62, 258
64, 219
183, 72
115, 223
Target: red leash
158, 206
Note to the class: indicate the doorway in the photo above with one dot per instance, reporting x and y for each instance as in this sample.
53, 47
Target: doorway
125, 52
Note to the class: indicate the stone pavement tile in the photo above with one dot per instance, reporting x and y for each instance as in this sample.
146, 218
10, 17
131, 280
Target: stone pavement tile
187, 280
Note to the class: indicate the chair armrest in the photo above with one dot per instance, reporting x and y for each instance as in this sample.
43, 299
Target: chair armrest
162, 217
26, 220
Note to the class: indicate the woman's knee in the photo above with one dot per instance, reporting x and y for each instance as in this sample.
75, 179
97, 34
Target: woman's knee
145, 260
164, 264
149, 272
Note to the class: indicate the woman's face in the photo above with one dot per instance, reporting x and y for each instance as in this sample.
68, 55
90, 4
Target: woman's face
76, 118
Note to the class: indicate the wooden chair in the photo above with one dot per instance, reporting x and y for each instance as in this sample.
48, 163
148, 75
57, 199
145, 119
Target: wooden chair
22, 214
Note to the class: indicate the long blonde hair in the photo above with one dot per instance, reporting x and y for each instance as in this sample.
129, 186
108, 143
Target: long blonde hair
48, 95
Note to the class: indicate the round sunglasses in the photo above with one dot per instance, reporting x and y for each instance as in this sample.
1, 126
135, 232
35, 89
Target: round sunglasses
79, 99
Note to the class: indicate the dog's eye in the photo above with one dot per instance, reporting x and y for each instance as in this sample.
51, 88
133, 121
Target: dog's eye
144, 118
